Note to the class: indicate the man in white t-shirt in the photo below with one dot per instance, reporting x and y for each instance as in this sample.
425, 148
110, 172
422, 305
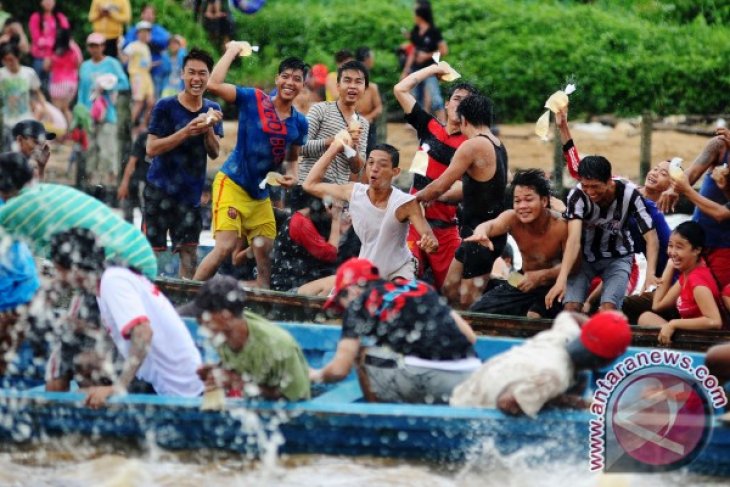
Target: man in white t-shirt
153, 341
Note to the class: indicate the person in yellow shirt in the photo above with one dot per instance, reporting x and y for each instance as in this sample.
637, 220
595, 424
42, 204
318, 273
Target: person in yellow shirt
109, 17
138, 57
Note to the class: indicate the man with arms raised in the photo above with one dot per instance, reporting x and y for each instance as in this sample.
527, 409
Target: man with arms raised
481, 163
184, 131
270, 133
423, 349
540, 234
380, 212
442, 140
326, 119
598, 213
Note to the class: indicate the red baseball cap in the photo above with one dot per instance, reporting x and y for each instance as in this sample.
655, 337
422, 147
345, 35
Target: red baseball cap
319, 73
606, 334
352, 271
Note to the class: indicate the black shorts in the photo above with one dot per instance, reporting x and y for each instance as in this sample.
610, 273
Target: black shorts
478, 259
504, 299
163, 214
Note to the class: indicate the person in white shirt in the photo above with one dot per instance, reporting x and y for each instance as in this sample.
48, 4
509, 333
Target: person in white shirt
380, 212
526, 377
155, 344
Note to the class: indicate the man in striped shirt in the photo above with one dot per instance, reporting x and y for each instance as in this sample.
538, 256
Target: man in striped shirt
328, 118
37, 211
598, 212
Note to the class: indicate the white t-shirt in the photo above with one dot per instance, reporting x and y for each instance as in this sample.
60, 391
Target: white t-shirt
537, 371
383, 237
127, 299
15, 91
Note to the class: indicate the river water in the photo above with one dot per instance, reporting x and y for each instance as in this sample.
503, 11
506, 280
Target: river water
74, 462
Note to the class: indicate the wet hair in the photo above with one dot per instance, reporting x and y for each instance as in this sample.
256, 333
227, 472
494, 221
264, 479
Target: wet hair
477, 110
594, 167
424, 11
343, 55
15, 171
462, 85
77, 248
199, 55
392, 152
295, 64
221, 293
532, 178
354, 66
362, 53
692, 232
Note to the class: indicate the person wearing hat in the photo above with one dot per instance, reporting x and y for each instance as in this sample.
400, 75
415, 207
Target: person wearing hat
421, 350
257, 356
18, 275
103, 161
138, 59
109, 18
144, 326
18, 84
526, 377
160, 39
32, 140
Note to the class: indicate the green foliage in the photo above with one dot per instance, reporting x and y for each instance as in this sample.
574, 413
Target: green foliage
623, 60
626, 56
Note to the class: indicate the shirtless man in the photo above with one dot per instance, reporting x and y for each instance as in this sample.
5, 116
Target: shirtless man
380, 212
481, 163
541, 235
370, 105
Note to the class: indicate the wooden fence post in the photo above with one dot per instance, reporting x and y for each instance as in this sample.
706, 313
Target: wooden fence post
647, 125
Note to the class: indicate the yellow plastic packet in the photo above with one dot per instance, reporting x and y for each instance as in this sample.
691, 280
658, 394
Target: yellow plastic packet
675, 168
247, 49
452, 74
272, 178
542, 126
515, 278
557, 101
419, 164
213, 400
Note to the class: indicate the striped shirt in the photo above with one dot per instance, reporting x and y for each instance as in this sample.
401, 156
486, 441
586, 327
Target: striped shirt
606, 230
325, 121
42, 210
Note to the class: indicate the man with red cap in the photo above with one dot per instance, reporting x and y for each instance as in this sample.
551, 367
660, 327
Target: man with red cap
526, 377
421, 349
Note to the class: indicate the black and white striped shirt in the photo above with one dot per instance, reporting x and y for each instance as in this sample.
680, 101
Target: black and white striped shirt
606, 230
325, 121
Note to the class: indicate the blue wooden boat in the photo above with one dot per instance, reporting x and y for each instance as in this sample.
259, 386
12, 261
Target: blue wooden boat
335, 421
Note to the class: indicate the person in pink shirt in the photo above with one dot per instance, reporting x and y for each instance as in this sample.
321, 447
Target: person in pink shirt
43, 26
63, 67
696, 294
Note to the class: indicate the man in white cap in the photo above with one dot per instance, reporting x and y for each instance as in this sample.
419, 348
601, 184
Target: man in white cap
96, 87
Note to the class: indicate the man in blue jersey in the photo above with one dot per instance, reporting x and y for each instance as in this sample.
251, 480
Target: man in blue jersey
184, 131
270, 133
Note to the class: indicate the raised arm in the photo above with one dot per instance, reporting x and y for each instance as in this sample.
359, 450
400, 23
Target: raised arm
714, 210
314, 185
216, 84
413, 213
402, 90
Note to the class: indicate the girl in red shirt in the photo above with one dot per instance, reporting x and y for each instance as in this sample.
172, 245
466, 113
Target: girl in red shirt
695, 295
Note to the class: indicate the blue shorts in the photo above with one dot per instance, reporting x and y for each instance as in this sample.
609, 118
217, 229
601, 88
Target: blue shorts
614, 273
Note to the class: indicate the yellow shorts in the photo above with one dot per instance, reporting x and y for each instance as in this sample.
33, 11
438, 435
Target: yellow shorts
234, 209
142, 86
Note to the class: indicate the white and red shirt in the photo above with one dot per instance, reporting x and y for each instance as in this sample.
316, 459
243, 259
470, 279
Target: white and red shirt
127, 299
